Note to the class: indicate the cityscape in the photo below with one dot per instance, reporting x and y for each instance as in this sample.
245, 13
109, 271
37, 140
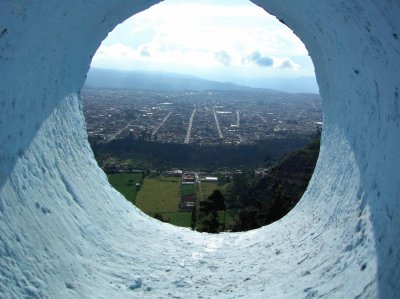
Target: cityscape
175, 154
199, 117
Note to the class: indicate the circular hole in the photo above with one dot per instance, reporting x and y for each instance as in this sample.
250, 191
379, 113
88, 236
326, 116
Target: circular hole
314, 253
174, 137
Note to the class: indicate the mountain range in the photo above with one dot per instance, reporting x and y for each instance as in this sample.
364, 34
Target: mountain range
149, 80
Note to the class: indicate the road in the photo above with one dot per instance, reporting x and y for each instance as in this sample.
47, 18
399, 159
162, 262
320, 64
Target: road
300, 114
218, 128
315, 107
262, 118
189, 129
161, 124
113, 136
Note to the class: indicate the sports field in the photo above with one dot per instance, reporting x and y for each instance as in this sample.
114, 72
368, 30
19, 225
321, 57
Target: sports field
187, 189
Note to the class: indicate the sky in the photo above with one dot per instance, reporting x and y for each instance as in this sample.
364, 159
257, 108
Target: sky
225, 40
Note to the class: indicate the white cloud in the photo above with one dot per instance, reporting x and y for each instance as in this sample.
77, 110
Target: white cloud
144, 52
179, 34
223, 57
115, 51
288, 64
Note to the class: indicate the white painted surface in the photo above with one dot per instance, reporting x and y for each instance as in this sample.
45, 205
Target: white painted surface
65, 233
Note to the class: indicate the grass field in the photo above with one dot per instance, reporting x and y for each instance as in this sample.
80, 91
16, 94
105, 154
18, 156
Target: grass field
178, 218
159, 195
163, 195
125, 183
187, 189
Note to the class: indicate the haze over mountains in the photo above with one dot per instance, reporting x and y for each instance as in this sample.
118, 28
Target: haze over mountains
169, 81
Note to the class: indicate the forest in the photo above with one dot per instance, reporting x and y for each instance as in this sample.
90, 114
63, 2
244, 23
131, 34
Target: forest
163, 156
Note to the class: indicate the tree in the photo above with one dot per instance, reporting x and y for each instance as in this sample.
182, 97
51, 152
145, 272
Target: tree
247, 219
209, 209
160, 217
218, 199
211, 223
219, 202
194, 217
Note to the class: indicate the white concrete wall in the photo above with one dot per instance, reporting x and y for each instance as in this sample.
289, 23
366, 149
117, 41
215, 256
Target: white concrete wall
65, 233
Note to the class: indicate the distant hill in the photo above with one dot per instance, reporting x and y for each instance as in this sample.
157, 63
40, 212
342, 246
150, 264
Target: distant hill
154, 81
292, 85
151, 80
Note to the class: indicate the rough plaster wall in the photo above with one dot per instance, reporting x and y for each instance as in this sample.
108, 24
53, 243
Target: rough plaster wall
65, 233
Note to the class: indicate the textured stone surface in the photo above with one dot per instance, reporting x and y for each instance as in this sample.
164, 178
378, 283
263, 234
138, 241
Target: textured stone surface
65, 233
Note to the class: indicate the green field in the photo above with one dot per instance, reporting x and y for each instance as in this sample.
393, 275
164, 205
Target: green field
187, 189
178, 218
125, 183
162, 195
159, 195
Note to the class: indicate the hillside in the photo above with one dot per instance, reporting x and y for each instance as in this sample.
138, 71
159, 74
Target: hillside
263, 200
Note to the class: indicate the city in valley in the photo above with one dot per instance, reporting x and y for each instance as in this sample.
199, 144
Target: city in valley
176, 154
199, 117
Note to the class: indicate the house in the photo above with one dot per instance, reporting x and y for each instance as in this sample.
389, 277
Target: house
188, 179
210, 179
173, 173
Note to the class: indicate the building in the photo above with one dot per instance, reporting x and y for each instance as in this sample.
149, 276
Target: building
210, 179
173, 173
187, 202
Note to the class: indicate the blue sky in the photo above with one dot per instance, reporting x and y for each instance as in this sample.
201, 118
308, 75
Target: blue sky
220, 40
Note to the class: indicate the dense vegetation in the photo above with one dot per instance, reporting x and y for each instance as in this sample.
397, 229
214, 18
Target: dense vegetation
162, 156
251, 202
